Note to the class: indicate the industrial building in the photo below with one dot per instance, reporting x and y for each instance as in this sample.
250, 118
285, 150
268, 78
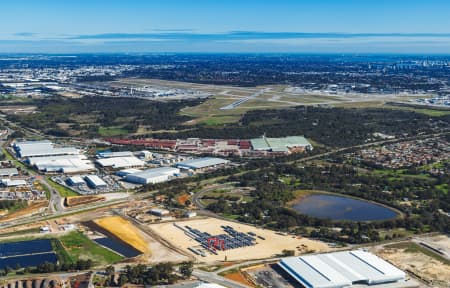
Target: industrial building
110, 154
283, 145
75, 181
159, 212
95, 182
152, 176
341, 269
120, 162
13, 182
125, 172
201, 163
62, 163
42, 148
8, 172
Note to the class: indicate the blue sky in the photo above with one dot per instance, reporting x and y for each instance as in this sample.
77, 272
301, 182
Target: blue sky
303, 26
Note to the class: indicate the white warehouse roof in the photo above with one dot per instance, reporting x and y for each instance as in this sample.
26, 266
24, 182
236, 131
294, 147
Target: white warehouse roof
42, 148
121, 162
155, 175
95, 181
341, 269
11, 183
76, 180
9, 172
62, 163
200, 163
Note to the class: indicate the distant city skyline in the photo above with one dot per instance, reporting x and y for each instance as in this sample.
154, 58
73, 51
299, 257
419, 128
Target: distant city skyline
320, 26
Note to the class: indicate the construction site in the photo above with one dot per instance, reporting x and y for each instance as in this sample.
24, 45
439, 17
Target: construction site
212, 240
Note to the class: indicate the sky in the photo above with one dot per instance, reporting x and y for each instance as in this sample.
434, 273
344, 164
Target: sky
253, 26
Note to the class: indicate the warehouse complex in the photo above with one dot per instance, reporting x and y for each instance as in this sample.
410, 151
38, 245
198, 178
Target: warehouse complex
341, 269
290, 144
46, 157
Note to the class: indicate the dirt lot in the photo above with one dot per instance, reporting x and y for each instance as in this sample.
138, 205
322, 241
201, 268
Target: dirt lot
272, 245
80, 200
431, 270
125, 231
33, 208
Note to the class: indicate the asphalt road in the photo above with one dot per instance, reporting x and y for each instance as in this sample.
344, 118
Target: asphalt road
214, 278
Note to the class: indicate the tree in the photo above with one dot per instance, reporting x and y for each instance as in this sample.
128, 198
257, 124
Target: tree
288, 253
123, 279
110, 271
186, 269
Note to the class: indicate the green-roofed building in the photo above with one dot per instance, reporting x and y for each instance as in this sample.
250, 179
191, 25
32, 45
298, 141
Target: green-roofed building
282, 145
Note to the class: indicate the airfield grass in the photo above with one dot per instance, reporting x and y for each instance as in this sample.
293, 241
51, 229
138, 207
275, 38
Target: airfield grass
63, 191
208, 113
427, 111
77, 246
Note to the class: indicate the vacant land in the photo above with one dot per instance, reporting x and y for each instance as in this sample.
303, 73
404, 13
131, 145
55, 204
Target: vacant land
80, 200
272, 246
124, 231
31, 209
419, 261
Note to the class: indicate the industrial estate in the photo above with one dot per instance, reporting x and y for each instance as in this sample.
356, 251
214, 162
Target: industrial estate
147, 174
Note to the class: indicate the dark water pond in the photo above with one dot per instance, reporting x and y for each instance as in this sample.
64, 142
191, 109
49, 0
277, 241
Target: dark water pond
27, 260
118, 247
25, 247
342, 208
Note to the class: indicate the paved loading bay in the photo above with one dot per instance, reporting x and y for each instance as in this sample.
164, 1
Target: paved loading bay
272, 245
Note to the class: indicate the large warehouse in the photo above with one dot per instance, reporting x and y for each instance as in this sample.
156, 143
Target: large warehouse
62, 163
121, 162
284, 144
341, 269
95, 182
201, 163
42, 148
152, 176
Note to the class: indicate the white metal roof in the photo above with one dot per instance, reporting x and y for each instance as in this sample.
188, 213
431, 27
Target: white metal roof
95, 180
42, 148
149, 173
62, 163
8, 171
204, 162
121, 162
340, 269
76, 180
10, 182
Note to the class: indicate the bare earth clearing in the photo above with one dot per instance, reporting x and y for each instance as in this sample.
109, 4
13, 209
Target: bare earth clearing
272, 246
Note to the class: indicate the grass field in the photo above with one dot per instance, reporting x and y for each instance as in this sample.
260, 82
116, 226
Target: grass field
16, 162
111, 131
76, 245
124, 231
63, 191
